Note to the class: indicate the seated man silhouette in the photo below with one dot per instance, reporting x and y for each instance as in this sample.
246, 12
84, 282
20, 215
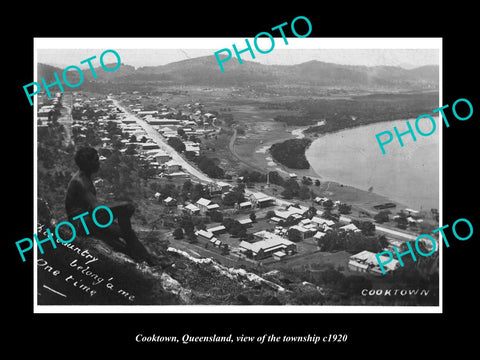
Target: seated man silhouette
81, 197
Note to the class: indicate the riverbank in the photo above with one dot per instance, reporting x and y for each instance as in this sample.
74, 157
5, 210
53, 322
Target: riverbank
365, 195
408, 174
256, 154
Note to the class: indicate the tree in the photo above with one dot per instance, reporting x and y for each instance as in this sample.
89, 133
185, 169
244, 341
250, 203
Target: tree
312, 211
367, 227
241, 233
383, 241
192, 238
190, 155
216, 216
294, 235
401, 220
253, 176
178, 234
291, 153
304, 192
187, 186
253, 217
234, 227
199, 224
145, 171
270, 214
307, 181
382, 216
130, 150
187, 224
240, 187
209, 167
331, 276
232, 198
177, 144
292, 184
224, 249
328, 205
327, 214
317, 182
344, 208
275, 178
287, 193
228, 223
354, 284
194, 139
356, 242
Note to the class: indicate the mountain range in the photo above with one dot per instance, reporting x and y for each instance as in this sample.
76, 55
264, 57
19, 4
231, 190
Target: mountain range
206, 72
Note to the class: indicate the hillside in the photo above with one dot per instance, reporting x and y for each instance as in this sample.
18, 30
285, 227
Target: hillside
205, 71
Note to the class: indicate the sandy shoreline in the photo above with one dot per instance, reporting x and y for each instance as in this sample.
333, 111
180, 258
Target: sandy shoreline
260, 157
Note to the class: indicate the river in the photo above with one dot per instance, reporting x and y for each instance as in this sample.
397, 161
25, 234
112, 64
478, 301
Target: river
408, 174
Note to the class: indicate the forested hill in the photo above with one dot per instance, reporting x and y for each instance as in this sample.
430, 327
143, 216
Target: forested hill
205, 71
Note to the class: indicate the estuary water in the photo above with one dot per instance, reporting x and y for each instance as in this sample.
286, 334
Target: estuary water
408, 174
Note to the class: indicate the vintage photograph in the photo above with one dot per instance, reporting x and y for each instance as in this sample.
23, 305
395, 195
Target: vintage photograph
169, 185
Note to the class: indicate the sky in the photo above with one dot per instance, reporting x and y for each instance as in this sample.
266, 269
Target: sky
407, 55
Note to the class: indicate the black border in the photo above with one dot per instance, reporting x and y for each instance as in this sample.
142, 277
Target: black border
368, 333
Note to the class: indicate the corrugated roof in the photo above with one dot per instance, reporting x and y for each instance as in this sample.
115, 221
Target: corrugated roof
203, 202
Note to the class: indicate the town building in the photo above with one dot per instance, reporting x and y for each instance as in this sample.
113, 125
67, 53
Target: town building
192, 209
321, 222
366, 262
148, 146
303, 231
217, 243
267, 247
217, 229
222, 186
145, 113
204, 234
279, 255
192, 146
162, 157
344, 219
172, 167
169, 201
260, 199
287, 215
350, 227
162, 122
245, 205
299, 209
206, 205
245, 222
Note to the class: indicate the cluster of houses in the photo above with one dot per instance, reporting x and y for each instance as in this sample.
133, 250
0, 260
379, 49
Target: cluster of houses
190, 119
196, 122
211, 233
46, 111
276, 244
269, 243
413, 217
169, 122
315, 227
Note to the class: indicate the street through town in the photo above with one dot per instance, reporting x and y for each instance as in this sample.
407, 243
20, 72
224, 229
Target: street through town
153, 134
159, 140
